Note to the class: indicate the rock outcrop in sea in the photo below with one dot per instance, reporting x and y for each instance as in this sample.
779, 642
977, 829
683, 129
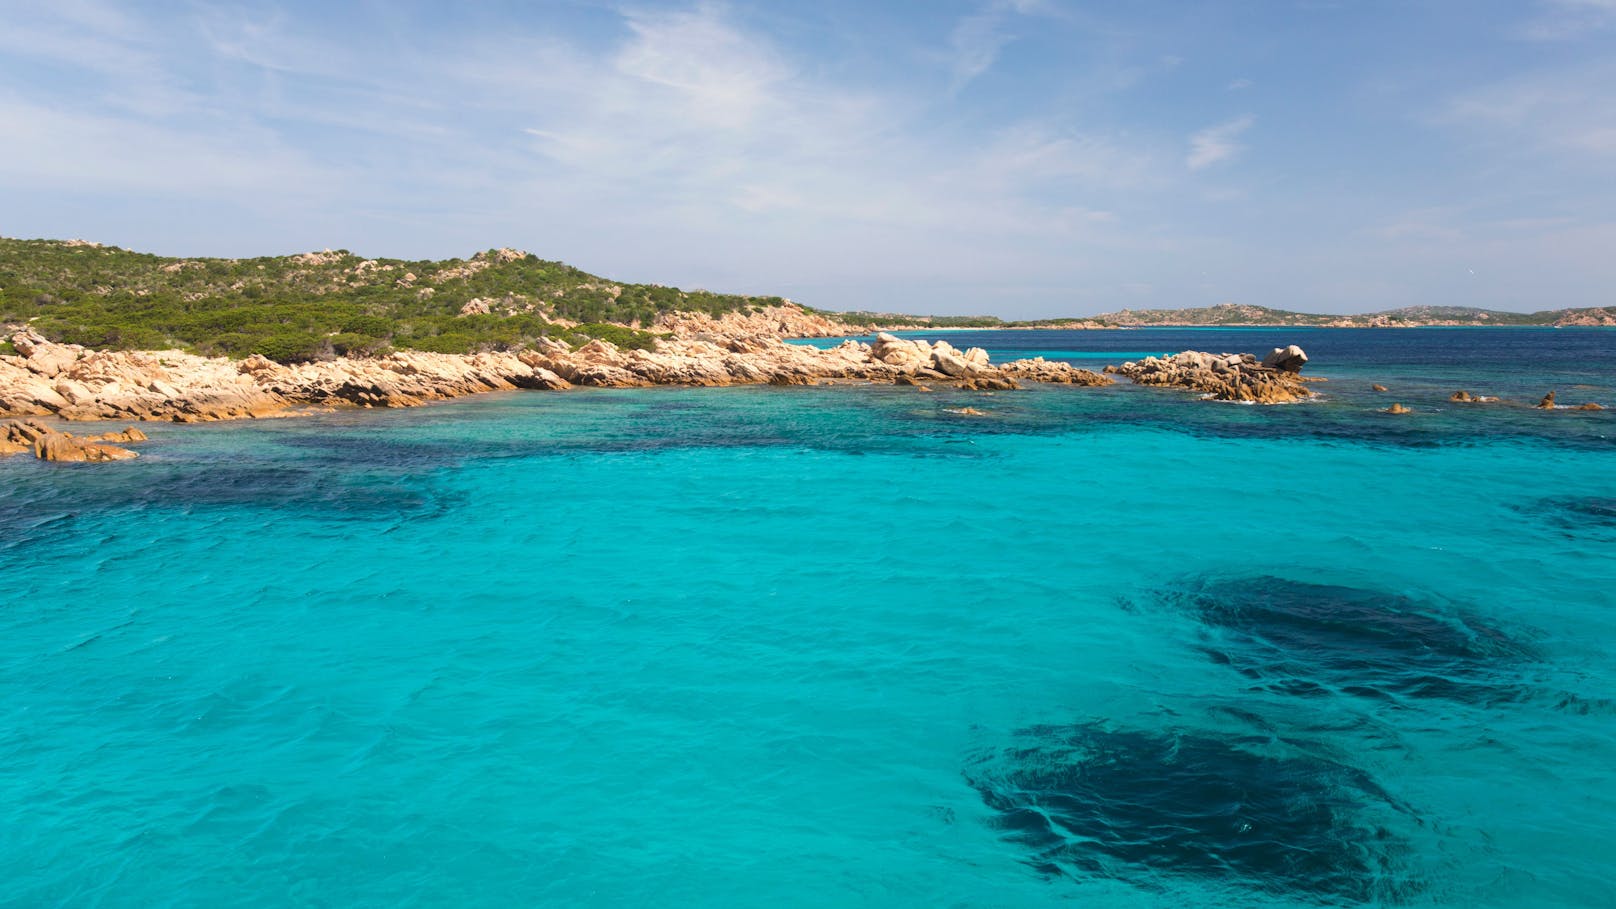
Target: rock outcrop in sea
1226, 376
74, 383
49, 444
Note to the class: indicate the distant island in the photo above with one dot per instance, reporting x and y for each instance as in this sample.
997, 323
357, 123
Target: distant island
1234, 315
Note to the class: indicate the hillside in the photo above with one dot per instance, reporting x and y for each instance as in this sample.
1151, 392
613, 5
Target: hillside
315, 305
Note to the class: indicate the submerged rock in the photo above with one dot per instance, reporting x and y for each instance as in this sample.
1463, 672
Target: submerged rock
1398, 409
1089, 800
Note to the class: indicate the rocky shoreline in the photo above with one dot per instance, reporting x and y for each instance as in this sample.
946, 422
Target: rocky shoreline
73, 383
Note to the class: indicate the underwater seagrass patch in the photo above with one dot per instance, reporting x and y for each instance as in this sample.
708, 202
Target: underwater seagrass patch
1577, 516
1317, 639
1089, 800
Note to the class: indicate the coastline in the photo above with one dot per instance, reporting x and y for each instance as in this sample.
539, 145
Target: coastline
73, 383
67, 382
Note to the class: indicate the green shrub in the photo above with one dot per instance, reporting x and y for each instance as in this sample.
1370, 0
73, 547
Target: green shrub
350, 344
291, 347
624, 337
453, 343
375, 326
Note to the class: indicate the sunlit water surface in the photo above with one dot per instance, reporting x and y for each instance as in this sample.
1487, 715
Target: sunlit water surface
836, 646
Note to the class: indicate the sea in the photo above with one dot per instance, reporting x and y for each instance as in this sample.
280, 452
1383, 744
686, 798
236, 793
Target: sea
837, 646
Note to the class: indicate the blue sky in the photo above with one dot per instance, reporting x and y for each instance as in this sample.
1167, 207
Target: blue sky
1018, 157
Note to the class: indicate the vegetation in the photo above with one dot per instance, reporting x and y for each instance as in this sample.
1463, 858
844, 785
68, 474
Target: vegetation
321, 305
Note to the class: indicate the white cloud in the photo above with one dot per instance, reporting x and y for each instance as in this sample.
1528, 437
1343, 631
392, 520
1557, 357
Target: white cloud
715, 74
1217, 144
1239, 85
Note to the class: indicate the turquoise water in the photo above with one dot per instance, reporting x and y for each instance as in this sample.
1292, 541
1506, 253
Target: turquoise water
834, 646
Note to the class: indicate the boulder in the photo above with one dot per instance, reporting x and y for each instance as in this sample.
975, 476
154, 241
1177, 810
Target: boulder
1547, 403
129, 435
1377, 387
27, 341
949, 362
1397, 408
906, 355
985, 381
1286, 359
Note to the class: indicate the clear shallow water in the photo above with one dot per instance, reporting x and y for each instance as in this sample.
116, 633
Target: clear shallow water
835, 646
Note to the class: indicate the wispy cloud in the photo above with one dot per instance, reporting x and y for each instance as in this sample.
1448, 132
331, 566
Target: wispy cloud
742, 147
1217, 144
977, 39
1565, 20
1565, 110
111, 153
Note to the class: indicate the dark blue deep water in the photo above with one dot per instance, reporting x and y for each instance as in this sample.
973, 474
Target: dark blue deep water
837, 646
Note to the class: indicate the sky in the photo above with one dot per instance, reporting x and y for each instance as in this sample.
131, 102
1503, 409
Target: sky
1023, 158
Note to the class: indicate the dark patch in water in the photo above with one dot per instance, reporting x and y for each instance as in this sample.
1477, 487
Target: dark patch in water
371, 450
1089, 800
1315, 640
1577, 516
47, 506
